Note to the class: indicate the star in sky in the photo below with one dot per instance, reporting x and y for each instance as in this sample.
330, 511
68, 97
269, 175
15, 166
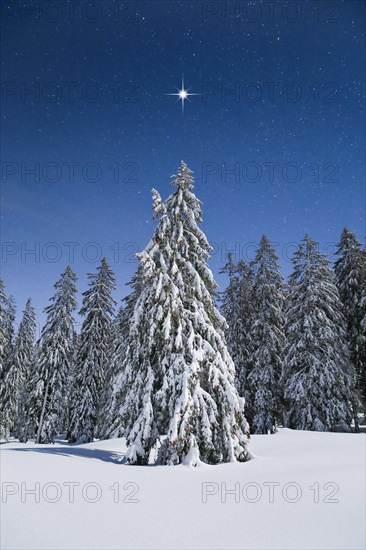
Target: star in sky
183, 94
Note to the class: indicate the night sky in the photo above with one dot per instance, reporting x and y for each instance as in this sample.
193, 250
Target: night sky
276, 139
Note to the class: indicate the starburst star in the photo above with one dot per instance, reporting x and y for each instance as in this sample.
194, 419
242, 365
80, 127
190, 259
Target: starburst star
183, 94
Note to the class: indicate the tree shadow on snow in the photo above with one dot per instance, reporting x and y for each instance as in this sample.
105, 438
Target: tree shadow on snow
96, 454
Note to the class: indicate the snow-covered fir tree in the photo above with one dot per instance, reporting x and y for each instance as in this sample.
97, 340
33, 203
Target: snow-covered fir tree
178, 376
237, 308
317, 377
3, 305
13, 393
33, 404
69, 386
267, 340
8, 328
93, 356
363, 291
363, 329
350, 271
46, 400
113, 427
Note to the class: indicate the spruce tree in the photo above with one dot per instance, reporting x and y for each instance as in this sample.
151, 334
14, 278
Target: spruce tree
362, 307
92, 361
267, 340
237, 308
3, 305
178, 376
13, 388
47, 398
35, 401
8, 326
114, 403
69, 386
350, 271
317, 376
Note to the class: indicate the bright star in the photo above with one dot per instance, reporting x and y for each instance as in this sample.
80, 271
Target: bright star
183, 94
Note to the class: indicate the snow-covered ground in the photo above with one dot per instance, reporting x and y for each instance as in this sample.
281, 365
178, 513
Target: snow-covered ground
302, 490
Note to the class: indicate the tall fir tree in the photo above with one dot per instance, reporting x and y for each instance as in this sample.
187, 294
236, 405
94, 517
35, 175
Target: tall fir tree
362, 305
112, 423
33, 402
3, 306
267, 340
318, 379
350, 271
47, 397
178, 377
8, 327
237, 308
13, 388
363, 330
93, 357
69, 386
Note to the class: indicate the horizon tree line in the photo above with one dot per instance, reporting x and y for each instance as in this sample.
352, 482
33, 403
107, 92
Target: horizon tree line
173, 374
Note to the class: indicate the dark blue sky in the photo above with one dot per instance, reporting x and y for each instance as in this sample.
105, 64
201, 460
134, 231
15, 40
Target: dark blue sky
281, 102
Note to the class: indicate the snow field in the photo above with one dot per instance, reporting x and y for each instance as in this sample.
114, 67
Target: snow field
302, 490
